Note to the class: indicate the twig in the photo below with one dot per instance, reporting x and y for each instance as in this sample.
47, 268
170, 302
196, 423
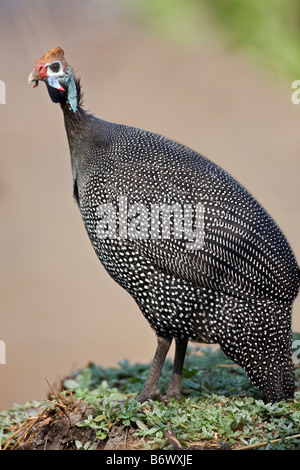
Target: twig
59, 403
273, 441
54, 393
72, 398
22, 428
10, 438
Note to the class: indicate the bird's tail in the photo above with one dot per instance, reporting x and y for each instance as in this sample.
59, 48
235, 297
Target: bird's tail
259, 338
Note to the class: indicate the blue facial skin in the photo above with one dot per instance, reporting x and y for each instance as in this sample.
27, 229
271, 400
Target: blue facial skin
66, 81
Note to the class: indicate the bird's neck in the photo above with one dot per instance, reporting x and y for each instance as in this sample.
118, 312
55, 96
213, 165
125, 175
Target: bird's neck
75, 118
70, 101
71, 97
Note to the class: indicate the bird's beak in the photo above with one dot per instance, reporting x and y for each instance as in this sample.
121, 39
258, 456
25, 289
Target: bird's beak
38, 73
34, 77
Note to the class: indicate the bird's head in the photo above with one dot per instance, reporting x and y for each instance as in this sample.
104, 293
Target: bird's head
53, 69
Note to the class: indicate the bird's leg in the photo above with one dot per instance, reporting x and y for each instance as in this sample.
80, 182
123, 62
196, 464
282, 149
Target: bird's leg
150, 389
174, 388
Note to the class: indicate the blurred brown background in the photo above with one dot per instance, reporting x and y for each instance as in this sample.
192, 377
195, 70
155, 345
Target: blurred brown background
171, 70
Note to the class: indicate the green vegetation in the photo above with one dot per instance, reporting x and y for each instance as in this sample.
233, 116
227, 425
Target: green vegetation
267, 31
219, 404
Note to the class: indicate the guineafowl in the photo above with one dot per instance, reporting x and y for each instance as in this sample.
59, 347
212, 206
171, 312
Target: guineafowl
201, 257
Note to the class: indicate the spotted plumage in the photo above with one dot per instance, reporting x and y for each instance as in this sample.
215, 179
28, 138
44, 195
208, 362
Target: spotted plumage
236, 288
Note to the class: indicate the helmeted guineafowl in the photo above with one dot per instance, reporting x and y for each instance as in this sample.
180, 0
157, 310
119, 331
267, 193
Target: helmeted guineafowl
200, 256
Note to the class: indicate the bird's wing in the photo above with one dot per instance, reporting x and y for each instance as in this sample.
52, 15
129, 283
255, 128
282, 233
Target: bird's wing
232, 254
242, 252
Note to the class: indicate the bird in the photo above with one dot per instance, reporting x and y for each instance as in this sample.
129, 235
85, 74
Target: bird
201, 257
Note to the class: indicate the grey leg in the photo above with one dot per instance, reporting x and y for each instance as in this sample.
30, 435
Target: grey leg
174, 388
150, 389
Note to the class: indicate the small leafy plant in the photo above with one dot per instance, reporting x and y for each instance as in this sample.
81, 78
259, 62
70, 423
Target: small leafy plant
219, 402
219, 407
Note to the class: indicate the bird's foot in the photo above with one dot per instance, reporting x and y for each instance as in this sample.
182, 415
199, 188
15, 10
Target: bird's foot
157, 395
150, 395
174, 389
173, 394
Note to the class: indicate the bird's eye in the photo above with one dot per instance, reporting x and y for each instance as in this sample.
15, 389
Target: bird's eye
54, 67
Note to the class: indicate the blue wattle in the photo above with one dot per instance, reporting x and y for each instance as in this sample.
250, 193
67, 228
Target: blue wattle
53, 93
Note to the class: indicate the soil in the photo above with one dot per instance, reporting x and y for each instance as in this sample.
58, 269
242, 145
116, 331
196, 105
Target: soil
56, 429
